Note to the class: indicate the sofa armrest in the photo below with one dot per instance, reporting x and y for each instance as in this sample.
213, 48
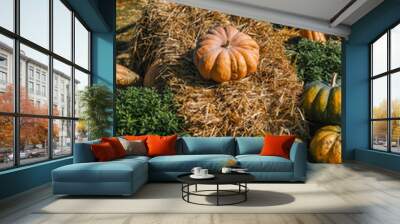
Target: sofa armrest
298, 155
83, 152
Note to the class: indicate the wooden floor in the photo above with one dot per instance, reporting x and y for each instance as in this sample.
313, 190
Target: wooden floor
353, 182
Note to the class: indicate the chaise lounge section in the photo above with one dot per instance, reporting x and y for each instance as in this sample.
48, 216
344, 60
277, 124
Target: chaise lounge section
88, 177
125, 176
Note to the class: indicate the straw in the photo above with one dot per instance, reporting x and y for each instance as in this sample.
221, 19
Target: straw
267, 101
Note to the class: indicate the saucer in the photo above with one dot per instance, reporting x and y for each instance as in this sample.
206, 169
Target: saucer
208, 176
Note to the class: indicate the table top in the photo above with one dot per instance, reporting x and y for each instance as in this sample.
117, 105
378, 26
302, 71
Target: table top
220, 178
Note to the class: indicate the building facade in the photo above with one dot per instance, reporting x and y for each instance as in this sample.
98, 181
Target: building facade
34, 80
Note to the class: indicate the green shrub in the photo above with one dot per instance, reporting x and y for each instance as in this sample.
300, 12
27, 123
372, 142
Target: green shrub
315, 60
145, 111
97, 104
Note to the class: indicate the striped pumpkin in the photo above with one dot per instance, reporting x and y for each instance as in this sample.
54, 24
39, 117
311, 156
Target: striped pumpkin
322, 103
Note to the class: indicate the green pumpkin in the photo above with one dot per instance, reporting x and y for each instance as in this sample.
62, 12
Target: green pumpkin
322, 103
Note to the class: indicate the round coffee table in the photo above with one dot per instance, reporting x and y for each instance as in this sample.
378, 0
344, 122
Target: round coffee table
238, 179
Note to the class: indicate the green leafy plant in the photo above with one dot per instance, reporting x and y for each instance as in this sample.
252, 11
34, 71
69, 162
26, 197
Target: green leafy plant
315, 60
145, 111
97, 104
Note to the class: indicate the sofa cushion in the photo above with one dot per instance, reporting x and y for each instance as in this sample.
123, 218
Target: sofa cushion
161, 145
103, 152
249, 145
132, 158
135, 137
116, 145
206, 145
185, 163
277, 145
134, 147
257, 163
112, 171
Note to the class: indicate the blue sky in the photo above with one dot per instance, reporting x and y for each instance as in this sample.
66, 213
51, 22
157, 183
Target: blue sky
35, 27
380, 66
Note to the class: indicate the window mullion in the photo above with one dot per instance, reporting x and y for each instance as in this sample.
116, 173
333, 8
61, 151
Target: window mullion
371, 142
50, 81
371, 137
16, 70
389, 104
73, 82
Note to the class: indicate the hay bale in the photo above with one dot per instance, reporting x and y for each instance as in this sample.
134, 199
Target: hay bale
151, 75
265, 102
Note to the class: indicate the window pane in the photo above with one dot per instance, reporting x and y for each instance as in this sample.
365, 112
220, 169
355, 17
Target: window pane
34, 97
81, 82
379, 135
81, 131
395, 138
6, 142
379, 97
379, 55
395, 47
35, 21
7, 14
33, 140
395, 94
62, 138
6, 74
81, 45
62, 29
62, 89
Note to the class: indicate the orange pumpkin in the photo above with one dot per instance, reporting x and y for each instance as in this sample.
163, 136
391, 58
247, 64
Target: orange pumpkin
125, 76
313, 35
326, 145
225, 54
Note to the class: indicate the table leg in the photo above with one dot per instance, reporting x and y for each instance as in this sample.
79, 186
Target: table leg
188, 190
245, 193
217, 194
182, 189
195, 188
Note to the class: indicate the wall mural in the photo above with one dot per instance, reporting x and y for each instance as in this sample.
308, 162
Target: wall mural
196, 72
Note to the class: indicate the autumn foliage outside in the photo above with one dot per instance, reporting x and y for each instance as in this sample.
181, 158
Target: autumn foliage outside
379, 128
33, 131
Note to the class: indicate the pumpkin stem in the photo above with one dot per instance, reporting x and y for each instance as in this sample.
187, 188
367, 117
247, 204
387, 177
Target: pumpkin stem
226, 44
333, 82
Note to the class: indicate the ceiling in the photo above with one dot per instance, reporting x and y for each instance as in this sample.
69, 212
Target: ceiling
328, 16
98, 15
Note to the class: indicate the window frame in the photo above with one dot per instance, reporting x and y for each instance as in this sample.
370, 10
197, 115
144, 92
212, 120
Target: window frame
3, 74
5, 58
3, 71
16, 114
388, 74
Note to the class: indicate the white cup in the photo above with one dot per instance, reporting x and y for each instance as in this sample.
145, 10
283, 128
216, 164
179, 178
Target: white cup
226, 170
196, 171
203, 172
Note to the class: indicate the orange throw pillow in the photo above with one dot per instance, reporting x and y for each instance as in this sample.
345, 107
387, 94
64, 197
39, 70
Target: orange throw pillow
103, 152
277, 145
161, 145
136, 137
116, 145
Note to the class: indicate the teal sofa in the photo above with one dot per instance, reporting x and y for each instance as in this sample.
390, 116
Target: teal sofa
125, 176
